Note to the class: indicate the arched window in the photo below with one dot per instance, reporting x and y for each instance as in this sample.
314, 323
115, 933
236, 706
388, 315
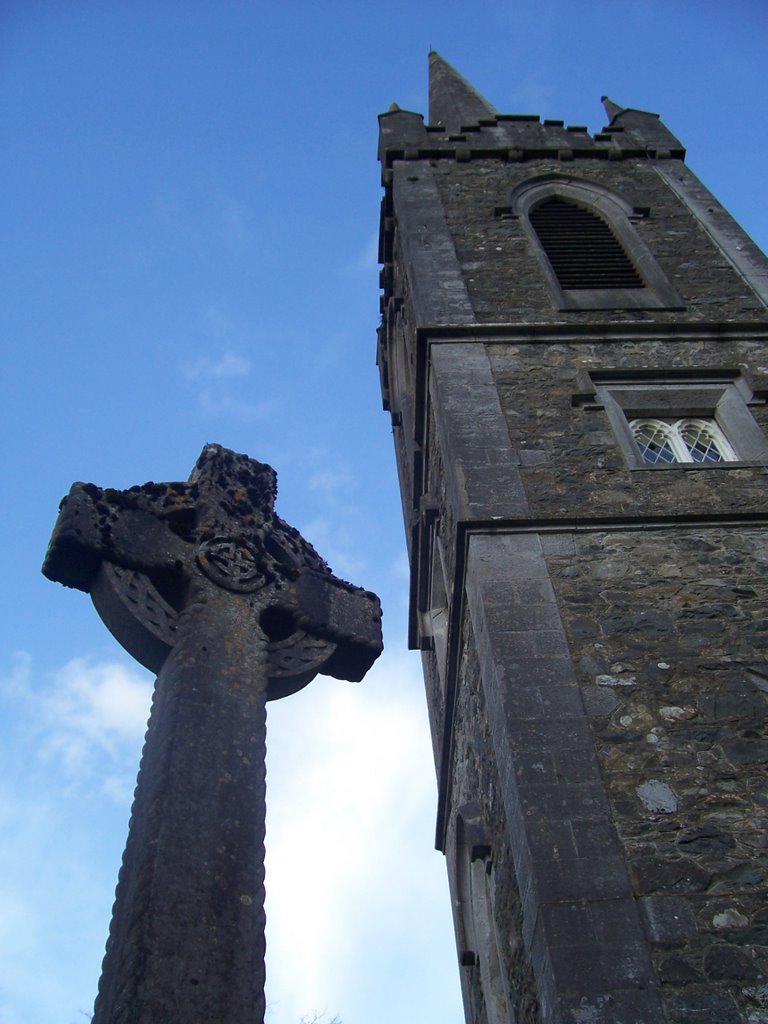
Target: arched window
581, 248
589, 247
684, 440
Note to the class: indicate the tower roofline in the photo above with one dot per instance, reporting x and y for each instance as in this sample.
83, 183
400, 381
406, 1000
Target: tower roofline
643, 125
462, 124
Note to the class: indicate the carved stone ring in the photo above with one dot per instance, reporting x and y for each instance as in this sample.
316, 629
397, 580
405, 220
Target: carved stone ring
231, 564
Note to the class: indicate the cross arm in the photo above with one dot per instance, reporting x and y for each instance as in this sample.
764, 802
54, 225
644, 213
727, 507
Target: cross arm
349, 616
88, 532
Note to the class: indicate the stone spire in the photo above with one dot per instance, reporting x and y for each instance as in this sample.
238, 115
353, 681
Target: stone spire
611, 108
453, 102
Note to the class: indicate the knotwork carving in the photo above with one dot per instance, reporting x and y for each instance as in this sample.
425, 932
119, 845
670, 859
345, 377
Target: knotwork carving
232, 564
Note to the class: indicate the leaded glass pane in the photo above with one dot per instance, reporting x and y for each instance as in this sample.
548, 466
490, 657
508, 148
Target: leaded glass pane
695, 440
702, 440
654, 441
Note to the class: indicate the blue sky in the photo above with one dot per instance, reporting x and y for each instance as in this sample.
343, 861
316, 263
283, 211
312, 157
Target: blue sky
189, 212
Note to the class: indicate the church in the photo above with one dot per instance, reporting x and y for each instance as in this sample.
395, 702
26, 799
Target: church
574, 357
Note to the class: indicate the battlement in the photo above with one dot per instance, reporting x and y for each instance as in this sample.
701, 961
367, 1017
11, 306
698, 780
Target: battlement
464, 126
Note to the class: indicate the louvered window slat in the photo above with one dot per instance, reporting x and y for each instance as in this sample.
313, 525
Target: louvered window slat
582, 249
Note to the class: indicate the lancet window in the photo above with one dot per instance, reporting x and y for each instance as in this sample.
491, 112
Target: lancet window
581, 248
589, 246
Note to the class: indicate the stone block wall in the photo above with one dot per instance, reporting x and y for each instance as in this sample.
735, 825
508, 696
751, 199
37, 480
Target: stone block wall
504, 276
668, 634
572, 462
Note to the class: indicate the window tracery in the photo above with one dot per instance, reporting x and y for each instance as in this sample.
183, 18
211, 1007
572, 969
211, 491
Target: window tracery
683, 440
695, 418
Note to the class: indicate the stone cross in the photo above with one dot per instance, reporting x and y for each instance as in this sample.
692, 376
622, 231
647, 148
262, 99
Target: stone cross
203, 584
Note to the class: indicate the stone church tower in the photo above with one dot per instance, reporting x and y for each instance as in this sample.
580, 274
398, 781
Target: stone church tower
574, 356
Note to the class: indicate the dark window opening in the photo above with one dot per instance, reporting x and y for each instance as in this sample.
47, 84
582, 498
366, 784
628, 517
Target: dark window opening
580, 246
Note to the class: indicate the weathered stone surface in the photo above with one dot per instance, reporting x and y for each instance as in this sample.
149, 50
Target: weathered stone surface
599, 701
657, 796
705, 840
204, 584
656, 874
697, 1005
746, 751
578, 437
757, 1012
675, 971
727, 963
669, 920
693, 725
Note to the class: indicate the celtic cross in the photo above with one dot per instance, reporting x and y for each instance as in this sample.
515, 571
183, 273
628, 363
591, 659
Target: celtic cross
204, 585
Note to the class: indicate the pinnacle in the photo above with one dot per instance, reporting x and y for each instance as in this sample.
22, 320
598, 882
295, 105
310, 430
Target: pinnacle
611, 109
453, 102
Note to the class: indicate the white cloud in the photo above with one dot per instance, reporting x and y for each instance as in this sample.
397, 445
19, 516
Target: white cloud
216, 402
337, 532
227, 366
103, 701
15, 683
217, 382
330, 483
351, 812
85, 712
72, 742
331, 539
205, 222
218, 323
92, 710
349, 838
235, 222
